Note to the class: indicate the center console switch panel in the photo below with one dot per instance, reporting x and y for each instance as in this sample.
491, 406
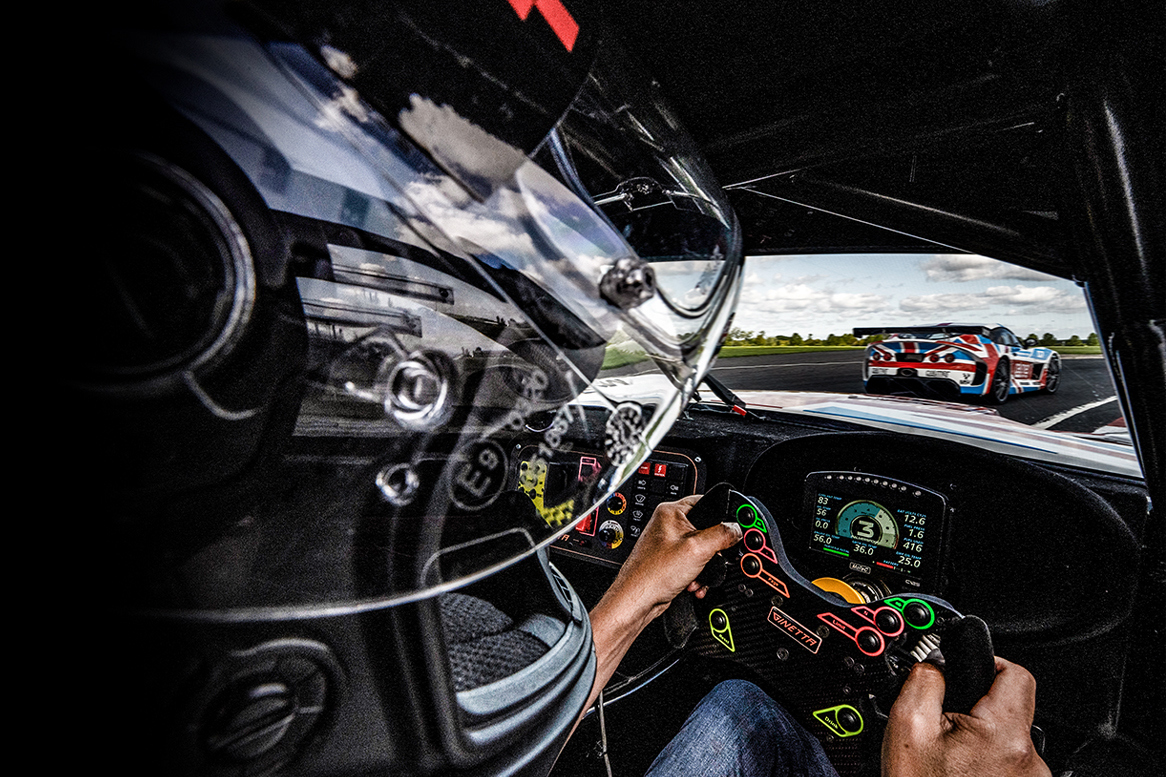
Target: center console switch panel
608, 533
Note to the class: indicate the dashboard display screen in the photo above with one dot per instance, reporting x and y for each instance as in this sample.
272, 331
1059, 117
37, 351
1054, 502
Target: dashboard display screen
877, 524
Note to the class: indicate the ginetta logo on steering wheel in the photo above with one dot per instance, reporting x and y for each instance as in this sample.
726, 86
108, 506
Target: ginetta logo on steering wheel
796, 631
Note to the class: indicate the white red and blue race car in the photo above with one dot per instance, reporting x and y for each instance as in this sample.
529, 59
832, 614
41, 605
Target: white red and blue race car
984, 362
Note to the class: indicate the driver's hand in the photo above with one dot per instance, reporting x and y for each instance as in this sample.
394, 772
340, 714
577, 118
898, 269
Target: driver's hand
668, 556
993, 741
665, 561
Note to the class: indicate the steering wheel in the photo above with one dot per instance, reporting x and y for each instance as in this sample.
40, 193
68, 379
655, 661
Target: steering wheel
837, 666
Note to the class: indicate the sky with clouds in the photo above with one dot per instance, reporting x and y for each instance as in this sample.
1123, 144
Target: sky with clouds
832, 294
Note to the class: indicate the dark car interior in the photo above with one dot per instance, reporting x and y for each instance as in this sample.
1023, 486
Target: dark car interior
1029, 132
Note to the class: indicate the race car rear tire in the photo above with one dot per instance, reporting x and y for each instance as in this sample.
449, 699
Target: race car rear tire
999, 384
1052, 375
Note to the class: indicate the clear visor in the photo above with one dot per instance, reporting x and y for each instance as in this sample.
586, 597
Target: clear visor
501, 344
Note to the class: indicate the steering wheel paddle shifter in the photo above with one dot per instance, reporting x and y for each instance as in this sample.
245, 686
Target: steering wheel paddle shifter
837, 665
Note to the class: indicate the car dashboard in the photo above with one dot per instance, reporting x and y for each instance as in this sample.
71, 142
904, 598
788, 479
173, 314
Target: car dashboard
1041, 553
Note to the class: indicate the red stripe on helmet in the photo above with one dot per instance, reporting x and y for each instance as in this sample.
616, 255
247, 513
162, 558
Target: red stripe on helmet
557, 16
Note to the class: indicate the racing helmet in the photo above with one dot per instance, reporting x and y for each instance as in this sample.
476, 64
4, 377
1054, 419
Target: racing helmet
388, 296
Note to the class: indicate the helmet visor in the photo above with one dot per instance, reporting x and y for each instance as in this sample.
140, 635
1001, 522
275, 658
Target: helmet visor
494, 343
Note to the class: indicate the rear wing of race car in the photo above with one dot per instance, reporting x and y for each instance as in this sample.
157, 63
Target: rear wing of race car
864, 331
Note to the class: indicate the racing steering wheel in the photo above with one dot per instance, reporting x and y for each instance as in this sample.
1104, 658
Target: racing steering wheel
839, 665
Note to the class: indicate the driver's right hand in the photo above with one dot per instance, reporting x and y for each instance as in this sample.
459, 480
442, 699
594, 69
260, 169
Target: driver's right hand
994, 740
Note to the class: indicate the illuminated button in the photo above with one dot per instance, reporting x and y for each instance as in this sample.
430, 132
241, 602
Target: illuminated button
754, 540
645, 468
888, 621
918, 615
842, 721
587, 525
660, 470
849, 720
869, 641
719, 628
747, 516
751, 565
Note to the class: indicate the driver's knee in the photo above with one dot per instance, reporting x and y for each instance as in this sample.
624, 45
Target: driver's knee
744, 709
758, 733
738, 729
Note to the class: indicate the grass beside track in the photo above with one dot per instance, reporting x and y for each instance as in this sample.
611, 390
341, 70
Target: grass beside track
1085, 350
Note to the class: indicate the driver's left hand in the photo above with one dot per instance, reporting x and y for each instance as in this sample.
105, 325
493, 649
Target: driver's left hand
667, 558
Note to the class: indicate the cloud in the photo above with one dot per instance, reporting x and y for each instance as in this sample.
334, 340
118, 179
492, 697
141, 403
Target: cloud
1026, 298
961, 268
936, 303
804, 298
858, 301
1042, 297
754, 279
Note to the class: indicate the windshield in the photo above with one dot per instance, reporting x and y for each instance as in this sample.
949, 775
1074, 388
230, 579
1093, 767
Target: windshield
938, 339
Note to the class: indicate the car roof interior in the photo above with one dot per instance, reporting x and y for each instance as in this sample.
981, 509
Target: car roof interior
937, 122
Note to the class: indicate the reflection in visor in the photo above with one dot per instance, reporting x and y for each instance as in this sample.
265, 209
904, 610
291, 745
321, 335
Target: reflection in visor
461, 359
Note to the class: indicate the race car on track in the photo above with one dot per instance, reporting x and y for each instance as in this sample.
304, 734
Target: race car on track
984, 362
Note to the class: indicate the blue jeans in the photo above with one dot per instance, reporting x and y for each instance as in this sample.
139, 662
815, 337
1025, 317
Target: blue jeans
738, 730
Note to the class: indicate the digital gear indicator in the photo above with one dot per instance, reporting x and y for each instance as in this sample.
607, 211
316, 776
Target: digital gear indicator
868, 522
